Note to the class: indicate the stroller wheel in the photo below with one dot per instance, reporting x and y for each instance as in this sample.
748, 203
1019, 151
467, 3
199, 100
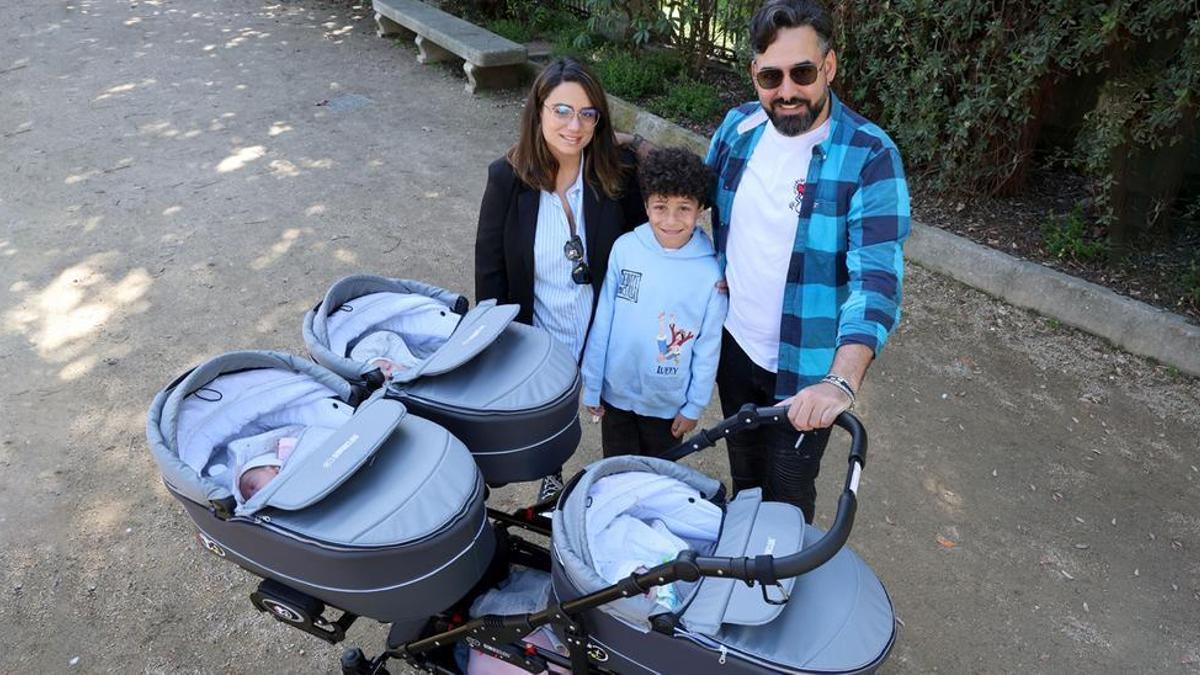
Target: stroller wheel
286, 604
283, 612
299, 610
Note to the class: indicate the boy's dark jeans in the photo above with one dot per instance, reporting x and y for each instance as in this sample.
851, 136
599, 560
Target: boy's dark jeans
627, 433
766, 457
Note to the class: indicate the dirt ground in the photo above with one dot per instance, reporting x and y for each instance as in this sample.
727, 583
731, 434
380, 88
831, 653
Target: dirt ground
183, 179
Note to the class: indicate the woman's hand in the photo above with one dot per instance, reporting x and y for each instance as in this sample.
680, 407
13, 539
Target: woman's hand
597, 411
722, 287
682, 425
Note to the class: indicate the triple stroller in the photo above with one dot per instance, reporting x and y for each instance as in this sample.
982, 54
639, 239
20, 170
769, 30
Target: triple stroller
379, 512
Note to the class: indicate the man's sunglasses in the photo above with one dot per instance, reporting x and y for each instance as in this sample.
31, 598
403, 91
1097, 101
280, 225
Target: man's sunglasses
573, 249
562, 112
802, 74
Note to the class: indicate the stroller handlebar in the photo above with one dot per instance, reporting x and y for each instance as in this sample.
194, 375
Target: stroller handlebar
766, 569
752, 417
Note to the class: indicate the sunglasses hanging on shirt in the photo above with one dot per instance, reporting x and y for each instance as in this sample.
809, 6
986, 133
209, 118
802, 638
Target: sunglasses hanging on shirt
573, 249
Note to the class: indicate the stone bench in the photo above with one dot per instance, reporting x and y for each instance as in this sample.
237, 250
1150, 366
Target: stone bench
490, 61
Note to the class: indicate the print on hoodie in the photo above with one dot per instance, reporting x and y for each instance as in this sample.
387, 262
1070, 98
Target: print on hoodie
670, 344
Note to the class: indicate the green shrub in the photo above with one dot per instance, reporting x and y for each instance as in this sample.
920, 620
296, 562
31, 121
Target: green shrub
578, 45
549, 22
514, 30
624, 76
1066, 237
1191, 284
526, 20
690, 101
963, 87
637, 75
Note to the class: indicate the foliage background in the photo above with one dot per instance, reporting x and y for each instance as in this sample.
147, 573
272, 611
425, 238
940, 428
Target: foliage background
976, 94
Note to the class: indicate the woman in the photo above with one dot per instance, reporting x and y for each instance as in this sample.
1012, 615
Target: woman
554, 205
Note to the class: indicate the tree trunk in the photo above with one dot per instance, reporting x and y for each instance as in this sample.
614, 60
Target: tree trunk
1022, 150
1147, 185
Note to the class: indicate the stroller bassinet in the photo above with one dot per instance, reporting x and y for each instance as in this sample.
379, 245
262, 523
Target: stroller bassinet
834, 619
506, 390
385, 518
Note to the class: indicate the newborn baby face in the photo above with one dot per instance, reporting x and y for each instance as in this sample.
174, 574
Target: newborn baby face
388, 367
255, 479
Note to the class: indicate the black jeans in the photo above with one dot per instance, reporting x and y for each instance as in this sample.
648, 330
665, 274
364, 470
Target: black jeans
627, 433
767, 457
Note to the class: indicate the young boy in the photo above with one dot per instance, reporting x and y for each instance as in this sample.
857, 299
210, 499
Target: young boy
651, 358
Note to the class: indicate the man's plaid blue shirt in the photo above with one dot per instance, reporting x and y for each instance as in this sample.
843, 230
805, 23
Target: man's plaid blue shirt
844, 279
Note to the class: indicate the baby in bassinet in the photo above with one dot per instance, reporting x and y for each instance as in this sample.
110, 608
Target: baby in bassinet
258, 471
258, 459
393, 332
387, 351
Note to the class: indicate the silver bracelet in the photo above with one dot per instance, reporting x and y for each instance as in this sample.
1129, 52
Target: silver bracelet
841, 383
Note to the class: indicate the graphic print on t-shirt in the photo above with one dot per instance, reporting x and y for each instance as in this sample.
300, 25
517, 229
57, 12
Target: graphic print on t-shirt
630, 283
671, 339
797, 196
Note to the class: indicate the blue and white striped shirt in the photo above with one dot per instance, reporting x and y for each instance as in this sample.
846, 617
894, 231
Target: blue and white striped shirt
560, 306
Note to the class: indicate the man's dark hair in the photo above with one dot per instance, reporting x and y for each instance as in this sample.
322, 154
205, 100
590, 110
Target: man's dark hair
675, 172
776, 14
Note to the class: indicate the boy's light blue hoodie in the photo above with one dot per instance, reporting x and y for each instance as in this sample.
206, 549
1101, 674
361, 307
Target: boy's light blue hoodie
656, 338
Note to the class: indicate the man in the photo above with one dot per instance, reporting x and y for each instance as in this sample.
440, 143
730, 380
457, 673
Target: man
811, 211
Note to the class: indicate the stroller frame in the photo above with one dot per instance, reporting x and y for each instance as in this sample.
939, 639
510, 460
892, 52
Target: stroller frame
501, 636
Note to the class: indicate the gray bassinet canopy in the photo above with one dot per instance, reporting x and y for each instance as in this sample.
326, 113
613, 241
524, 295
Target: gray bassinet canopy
507, 390
570, 540
302, 378
418, 481
476, 331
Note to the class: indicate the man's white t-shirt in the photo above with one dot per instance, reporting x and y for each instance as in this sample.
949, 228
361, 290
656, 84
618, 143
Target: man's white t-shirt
762, 231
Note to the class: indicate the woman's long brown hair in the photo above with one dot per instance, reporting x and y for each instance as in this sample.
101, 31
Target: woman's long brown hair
531, 158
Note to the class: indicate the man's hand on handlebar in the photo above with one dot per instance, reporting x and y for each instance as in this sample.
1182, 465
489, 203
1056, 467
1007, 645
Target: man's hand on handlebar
816, 406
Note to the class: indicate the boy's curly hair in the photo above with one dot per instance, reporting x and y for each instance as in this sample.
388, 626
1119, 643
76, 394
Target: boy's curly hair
675, 172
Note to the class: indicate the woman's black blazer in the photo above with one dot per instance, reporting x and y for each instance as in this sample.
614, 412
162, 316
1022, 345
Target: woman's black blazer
508, 222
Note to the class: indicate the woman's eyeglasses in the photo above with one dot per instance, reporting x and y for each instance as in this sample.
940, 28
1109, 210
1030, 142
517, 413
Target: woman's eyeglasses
802, 74
562, 112
573, 249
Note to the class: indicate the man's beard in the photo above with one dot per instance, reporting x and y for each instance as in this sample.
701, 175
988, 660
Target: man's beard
796, 123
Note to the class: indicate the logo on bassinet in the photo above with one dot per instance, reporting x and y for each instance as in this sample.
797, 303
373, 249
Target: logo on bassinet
596, 653
474, 335
212, 546
341, 449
